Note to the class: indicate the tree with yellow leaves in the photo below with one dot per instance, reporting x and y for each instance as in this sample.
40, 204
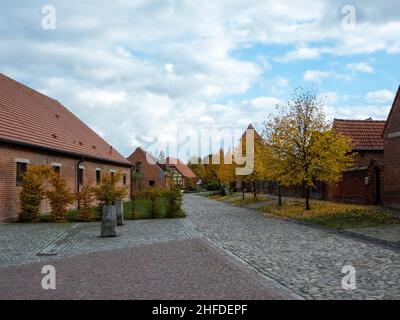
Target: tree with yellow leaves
303, 147
226, 168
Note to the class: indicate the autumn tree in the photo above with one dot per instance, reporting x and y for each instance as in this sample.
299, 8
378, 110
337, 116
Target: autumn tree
304, 148
226, 168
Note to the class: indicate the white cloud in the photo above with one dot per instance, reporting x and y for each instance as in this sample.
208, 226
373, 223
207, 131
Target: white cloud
264, 102
169, 67
101, 98
300, 54
141, 64
360, 67
315, 75
380, 96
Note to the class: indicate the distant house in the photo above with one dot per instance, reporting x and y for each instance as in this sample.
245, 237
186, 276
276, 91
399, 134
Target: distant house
363, 182
391, 140
182, 175
146, 171
38, 130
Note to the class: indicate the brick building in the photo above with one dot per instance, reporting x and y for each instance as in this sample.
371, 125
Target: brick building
181, 173
38, 130
146, 172
391, 138
152, 172
363, 182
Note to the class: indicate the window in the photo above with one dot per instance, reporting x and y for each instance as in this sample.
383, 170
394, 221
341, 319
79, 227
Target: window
22, 167
124, 179
152, 183
80, 176
56, 169
138, 167
98, 176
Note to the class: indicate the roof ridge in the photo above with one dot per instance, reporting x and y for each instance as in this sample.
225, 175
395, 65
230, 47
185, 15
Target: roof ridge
358, 120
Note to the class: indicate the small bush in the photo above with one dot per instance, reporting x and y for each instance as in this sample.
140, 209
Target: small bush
173, 198
107, 192
191, 185
212, 187
60, 197
153, 194
32, 193
86, 199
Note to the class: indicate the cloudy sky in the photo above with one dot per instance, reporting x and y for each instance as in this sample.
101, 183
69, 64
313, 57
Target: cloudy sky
137, 71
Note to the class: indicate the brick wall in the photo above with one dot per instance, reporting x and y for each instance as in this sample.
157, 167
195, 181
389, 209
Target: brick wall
150, 172
352, 187
392, 158
9, 191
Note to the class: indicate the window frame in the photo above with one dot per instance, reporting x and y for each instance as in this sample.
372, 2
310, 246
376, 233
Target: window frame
98, 178
18, 172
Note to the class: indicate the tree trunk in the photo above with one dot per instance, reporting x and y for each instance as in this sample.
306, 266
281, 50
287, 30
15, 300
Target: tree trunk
254, 191
243, 190
279, 195
308, 198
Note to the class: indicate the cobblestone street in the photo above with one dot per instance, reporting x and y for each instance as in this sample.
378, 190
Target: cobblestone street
217, 252
306, 259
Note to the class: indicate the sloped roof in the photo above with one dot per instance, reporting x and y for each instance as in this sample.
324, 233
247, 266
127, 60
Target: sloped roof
34, 119
392, 109
180, 166
365, 134
151, 160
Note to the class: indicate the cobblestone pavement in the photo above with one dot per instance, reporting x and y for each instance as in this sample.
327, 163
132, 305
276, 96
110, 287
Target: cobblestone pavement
211, 248
305, 259
178, 269
26, 243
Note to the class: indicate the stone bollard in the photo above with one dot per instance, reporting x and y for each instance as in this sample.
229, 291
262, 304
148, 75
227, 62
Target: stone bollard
119, 207
108, 222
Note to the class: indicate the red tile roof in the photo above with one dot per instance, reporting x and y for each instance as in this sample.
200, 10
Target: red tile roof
31, 118
365, 134
180, 166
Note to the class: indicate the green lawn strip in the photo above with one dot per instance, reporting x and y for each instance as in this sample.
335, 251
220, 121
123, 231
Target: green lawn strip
142, 211
334, 215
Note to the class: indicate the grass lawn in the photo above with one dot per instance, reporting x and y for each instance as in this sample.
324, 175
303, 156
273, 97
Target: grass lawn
142, 211
237, 198
333, 214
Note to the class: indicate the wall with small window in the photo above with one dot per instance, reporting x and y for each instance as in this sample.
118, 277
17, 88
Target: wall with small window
15, 160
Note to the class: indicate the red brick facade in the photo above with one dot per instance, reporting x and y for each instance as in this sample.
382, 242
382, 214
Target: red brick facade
362, 183
9, 190
151, 174
391, 137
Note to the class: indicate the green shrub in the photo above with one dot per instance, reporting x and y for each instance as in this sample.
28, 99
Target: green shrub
173, 198
212, 187
153, 194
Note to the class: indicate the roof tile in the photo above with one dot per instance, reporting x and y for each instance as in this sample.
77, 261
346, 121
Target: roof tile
365, 134
28, 116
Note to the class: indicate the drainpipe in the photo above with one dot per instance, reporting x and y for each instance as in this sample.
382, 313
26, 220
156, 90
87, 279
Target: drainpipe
77, 177
132, 168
